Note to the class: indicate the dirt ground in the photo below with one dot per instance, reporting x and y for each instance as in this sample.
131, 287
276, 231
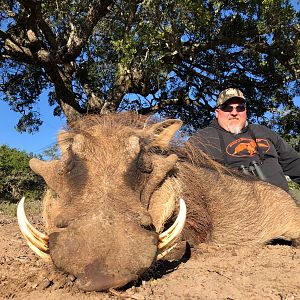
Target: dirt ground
271, 272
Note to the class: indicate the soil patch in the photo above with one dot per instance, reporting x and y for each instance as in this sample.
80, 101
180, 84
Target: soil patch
270, 272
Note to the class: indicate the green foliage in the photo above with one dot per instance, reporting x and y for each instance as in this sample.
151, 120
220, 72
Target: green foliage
293, 141
51, 153
16, 178
171, 57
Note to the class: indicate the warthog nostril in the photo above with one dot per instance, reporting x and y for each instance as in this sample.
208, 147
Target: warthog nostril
61, 222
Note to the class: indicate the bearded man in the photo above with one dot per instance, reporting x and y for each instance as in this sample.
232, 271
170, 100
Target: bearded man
252, 148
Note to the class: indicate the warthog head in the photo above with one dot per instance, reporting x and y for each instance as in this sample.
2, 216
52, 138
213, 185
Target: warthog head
108, 199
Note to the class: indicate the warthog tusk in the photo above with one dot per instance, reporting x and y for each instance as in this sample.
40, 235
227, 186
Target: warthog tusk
164, 253
36, 240
43, 254
167, 237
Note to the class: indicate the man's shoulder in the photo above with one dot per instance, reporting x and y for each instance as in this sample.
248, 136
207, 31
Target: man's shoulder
206, 134
261, 131
259, 128
205, 130
206, 139
210, 129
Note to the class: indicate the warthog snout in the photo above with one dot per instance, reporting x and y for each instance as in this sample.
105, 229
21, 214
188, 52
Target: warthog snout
103, 253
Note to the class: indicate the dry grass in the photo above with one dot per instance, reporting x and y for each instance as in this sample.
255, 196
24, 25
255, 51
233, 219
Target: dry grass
9, 209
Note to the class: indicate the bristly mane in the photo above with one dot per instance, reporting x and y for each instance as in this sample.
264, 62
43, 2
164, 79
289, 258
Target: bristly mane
185, 151
128, 119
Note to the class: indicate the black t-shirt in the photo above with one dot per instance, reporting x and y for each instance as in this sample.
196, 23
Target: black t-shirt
279, 158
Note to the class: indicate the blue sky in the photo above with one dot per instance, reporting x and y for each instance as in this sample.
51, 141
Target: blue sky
37, 142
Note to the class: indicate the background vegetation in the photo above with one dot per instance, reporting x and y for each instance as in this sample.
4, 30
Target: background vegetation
16, 178
171, 57
166, 56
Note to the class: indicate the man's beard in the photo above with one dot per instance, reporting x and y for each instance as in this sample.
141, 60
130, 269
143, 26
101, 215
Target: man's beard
234, 128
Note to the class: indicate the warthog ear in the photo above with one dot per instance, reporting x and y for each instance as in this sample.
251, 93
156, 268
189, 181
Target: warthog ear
161, 134
46, 169
69, 141
50, 169
64, 140
40, 167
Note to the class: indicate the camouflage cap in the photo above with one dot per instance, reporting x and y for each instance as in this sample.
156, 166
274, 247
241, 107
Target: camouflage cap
228, 94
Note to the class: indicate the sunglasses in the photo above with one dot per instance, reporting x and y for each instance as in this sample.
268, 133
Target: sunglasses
229, 108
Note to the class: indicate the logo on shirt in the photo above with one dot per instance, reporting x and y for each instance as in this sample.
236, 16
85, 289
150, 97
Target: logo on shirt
247, 147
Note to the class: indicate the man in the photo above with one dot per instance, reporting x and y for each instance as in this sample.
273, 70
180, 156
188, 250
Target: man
252, 148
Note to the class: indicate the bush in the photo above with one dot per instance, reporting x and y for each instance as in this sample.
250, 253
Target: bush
16, 178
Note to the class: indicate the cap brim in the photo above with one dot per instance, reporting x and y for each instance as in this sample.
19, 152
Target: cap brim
234, 97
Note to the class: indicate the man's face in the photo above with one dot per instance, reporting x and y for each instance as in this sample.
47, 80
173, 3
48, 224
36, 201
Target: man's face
232, 115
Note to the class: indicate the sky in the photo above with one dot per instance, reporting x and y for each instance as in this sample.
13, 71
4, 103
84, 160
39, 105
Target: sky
36, 142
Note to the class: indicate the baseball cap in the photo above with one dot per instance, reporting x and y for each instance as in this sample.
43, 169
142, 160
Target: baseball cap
228, 94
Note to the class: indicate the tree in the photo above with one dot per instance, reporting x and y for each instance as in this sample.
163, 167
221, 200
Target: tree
16, 178
171, 57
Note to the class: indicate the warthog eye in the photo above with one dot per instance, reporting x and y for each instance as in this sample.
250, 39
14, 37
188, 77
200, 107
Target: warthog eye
144, 162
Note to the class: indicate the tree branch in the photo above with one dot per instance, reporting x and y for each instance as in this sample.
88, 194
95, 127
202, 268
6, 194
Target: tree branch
158, 106
79, 37
16, 50
37, 20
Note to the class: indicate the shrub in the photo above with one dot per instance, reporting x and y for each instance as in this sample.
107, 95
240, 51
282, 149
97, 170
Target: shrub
16, 178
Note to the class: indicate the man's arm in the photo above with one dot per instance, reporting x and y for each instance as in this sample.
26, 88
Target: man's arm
289, 159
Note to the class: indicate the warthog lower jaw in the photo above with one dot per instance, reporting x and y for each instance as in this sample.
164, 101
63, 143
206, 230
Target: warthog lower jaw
39, 242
